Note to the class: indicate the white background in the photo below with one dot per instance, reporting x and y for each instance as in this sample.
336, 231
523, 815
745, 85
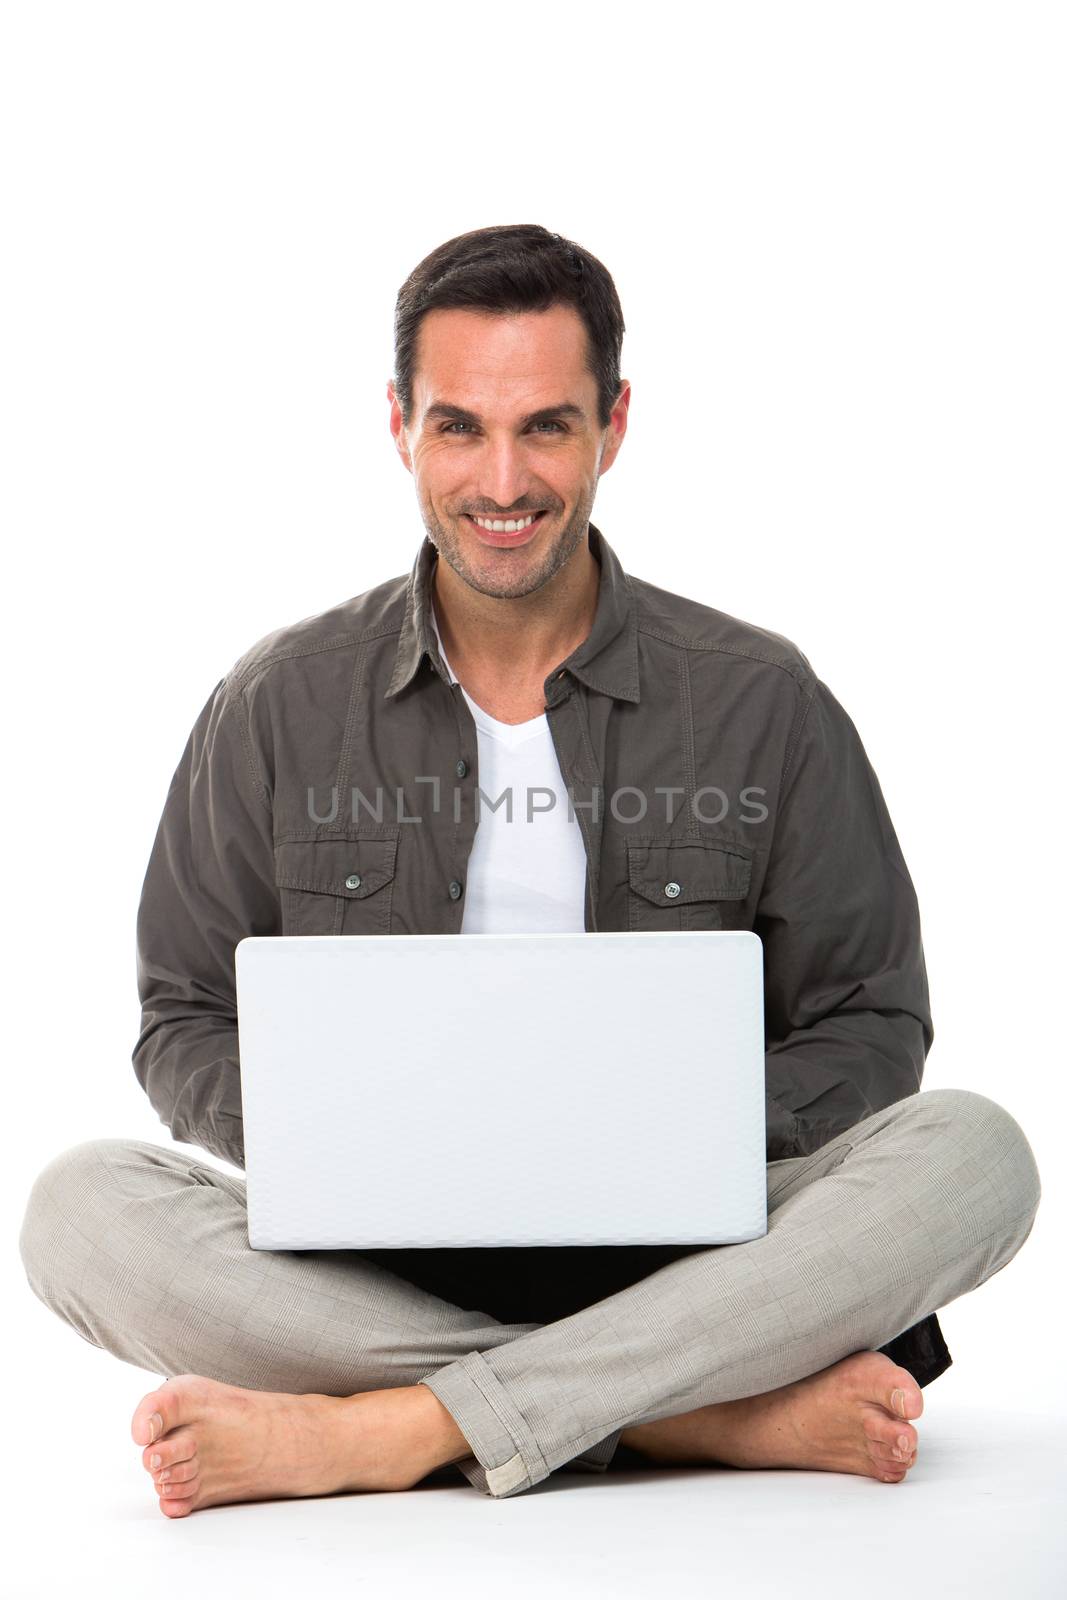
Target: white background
837, 232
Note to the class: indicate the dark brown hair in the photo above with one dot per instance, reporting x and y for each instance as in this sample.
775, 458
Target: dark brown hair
518, 267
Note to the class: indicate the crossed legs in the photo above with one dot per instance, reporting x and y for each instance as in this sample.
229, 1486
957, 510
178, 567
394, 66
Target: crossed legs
321, 1371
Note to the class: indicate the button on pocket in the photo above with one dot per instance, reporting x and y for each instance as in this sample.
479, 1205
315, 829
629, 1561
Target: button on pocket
678, 884
336, 883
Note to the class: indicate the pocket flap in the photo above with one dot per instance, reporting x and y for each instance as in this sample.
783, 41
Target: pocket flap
353, 868
691, 871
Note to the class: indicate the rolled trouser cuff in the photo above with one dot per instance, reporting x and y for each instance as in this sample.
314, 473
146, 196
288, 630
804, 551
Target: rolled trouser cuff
506, 1458
596, 1459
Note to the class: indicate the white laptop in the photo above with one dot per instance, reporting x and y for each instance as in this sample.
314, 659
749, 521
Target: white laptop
502, 1089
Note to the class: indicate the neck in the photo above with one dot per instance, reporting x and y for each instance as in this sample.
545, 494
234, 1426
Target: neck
521, 638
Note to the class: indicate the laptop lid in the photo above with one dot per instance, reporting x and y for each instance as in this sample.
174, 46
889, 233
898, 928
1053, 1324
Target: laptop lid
502, 1089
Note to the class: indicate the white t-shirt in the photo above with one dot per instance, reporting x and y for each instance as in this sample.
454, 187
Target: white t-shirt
526, 875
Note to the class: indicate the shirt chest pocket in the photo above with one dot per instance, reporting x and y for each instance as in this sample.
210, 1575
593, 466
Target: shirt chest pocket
686, 884
336, 884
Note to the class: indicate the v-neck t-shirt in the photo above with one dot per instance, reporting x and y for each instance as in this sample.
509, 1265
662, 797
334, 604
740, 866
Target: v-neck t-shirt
527, 867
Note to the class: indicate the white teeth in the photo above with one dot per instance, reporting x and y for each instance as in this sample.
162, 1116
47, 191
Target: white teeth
504, 527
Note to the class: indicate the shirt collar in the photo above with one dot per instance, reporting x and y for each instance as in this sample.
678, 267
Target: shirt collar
605, 661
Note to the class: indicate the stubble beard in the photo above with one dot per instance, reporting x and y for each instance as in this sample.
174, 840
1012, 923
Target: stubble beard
493, 577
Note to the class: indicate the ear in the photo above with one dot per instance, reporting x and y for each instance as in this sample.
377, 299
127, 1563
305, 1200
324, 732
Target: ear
616, 431
396, 426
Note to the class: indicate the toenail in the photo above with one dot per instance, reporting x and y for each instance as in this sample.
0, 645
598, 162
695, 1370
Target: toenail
156, 1461
904, 1442
155, 1426
899, 1402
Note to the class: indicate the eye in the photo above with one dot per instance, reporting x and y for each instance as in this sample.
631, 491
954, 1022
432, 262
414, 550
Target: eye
544, 423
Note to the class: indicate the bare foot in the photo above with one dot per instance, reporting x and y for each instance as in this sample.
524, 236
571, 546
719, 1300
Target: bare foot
213, 1443
842, 1419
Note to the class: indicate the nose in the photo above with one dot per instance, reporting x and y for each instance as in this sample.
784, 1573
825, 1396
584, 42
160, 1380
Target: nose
502, 477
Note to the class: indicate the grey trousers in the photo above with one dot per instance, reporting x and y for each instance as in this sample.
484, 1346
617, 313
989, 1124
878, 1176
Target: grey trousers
145, 1253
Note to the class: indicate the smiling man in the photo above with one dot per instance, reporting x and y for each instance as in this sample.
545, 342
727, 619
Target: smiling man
506, 483
357, 772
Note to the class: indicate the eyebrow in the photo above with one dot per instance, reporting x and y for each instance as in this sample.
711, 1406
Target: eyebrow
442, 411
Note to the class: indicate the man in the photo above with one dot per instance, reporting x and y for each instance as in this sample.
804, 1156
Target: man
674, 767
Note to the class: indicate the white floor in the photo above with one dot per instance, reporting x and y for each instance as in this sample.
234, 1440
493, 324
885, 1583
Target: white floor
983, 1512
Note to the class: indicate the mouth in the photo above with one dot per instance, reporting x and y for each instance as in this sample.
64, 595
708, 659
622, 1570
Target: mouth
506, 530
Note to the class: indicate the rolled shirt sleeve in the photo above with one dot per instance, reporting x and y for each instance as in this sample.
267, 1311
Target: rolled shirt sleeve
210, 882
847, 1005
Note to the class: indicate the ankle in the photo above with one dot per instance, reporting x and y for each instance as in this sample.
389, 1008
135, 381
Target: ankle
446, 1442
677, 1435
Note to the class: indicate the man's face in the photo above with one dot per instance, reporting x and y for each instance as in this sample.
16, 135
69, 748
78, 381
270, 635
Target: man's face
504, 424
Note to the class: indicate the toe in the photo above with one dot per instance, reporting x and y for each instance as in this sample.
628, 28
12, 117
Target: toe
181, 1473
893, 1435
174, 1402
150, 1419
179, 1491
885, 1429
176, 1508
169, 1450
155, 1415
901, 1383
887, 1457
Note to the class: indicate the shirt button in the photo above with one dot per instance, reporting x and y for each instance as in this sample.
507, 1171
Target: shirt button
353, 880
461, 769
455, 889
672, 890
